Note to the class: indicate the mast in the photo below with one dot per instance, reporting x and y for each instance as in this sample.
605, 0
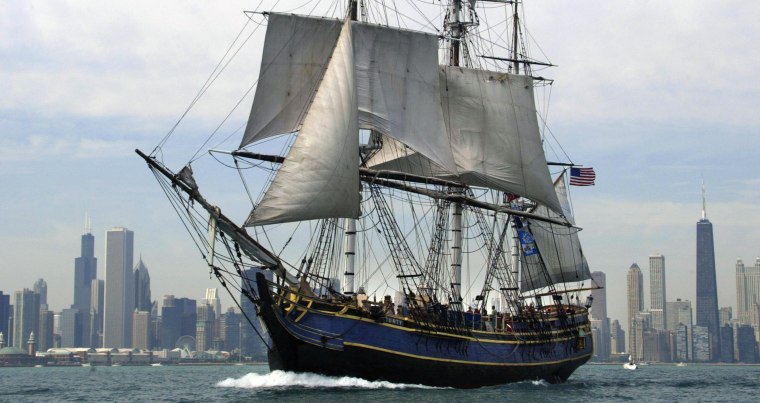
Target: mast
455, 32
350, 223
456, 214
515, 38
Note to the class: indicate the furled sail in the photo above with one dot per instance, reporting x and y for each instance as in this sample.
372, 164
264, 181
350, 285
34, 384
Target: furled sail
296, 51
398, 87
559, 247
320, 178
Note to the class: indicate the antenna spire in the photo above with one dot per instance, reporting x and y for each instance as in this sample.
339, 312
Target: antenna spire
704, 203
87, 224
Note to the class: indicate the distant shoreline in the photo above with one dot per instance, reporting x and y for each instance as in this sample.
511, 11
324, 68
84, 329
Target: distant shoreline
163, 364
673, 364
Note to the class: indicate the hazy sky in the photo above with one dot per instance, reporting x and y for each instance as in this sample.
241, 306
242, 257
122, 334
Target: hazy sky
655, 95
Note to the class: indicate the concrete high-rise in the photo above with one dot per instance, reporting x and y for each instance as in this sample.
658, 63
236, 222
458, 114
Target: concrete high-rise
46, 337
212, 298
745, 343
142, 287
141, 330
602, 347
97, 290
635, 284
725, 314
119, 289
707, 291
599, 307
747, 290
701, 342
678, 313
231, 326
26, 316
617, 337
204, 327
657, 291
71, 328
40, 287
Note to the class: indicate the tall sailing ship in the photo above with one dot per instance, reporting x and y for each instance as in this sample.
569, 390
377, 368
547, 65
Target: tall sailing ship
412, 226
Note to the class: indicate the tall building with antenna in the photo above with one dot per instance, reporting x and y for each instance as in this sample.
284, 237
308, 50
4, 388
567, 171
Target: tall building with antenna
85, 270
707, 292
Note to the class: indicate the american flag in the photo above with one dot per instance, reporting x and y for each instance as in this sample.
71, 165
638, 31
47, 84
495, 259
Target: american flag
582, 176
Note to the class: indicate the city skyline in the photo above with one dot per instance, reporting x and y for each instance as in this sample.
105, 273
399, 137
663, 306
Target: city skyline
86, 95
88, 240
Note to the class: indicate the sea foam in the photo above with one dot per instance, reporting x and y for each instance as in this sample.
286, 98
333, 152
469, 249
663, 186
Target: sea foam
278, 379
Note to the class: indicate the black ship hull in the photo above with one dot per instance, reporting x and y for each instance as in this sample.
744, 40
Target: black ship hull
308, 339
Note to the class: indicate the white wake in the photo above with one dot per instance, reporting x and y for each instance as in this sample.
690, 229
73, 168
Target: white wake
278, 379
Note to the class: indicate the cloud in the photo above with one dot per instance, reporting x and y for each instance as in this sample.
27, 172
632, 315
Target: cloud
39, 147
100, 59
676, 60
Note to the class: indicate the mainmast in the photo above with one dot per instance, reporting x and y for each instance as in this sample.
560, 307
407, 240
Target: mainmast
349, 224
515, 38
455, 28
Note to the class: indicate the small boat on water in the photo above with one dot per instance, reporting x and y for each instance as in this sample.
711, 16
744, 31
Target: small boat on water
630, 364
155, 364
681, 364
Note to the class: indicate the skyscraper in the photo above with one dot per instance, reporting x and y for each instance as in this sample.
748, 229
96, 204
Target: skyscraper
707, 292
85, 271
747, 290
26, 316
46, 336
204, 327
657, 291
678, 313
635, 306
119, 289
599, 313
746, 345
171, 322
40, 287
617, 337
599, 308
142, 287
725, 314
5, 317
141, 330
231, 326
71, 328
212, 298
97, 290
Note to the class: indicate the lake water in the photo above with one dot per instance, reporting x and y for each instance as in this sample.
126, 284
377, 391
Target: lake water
603, 383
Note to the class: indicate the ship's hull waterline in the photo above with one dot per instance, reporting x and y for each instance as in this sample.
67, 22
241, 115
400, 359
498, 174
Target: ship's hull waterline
341, 344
